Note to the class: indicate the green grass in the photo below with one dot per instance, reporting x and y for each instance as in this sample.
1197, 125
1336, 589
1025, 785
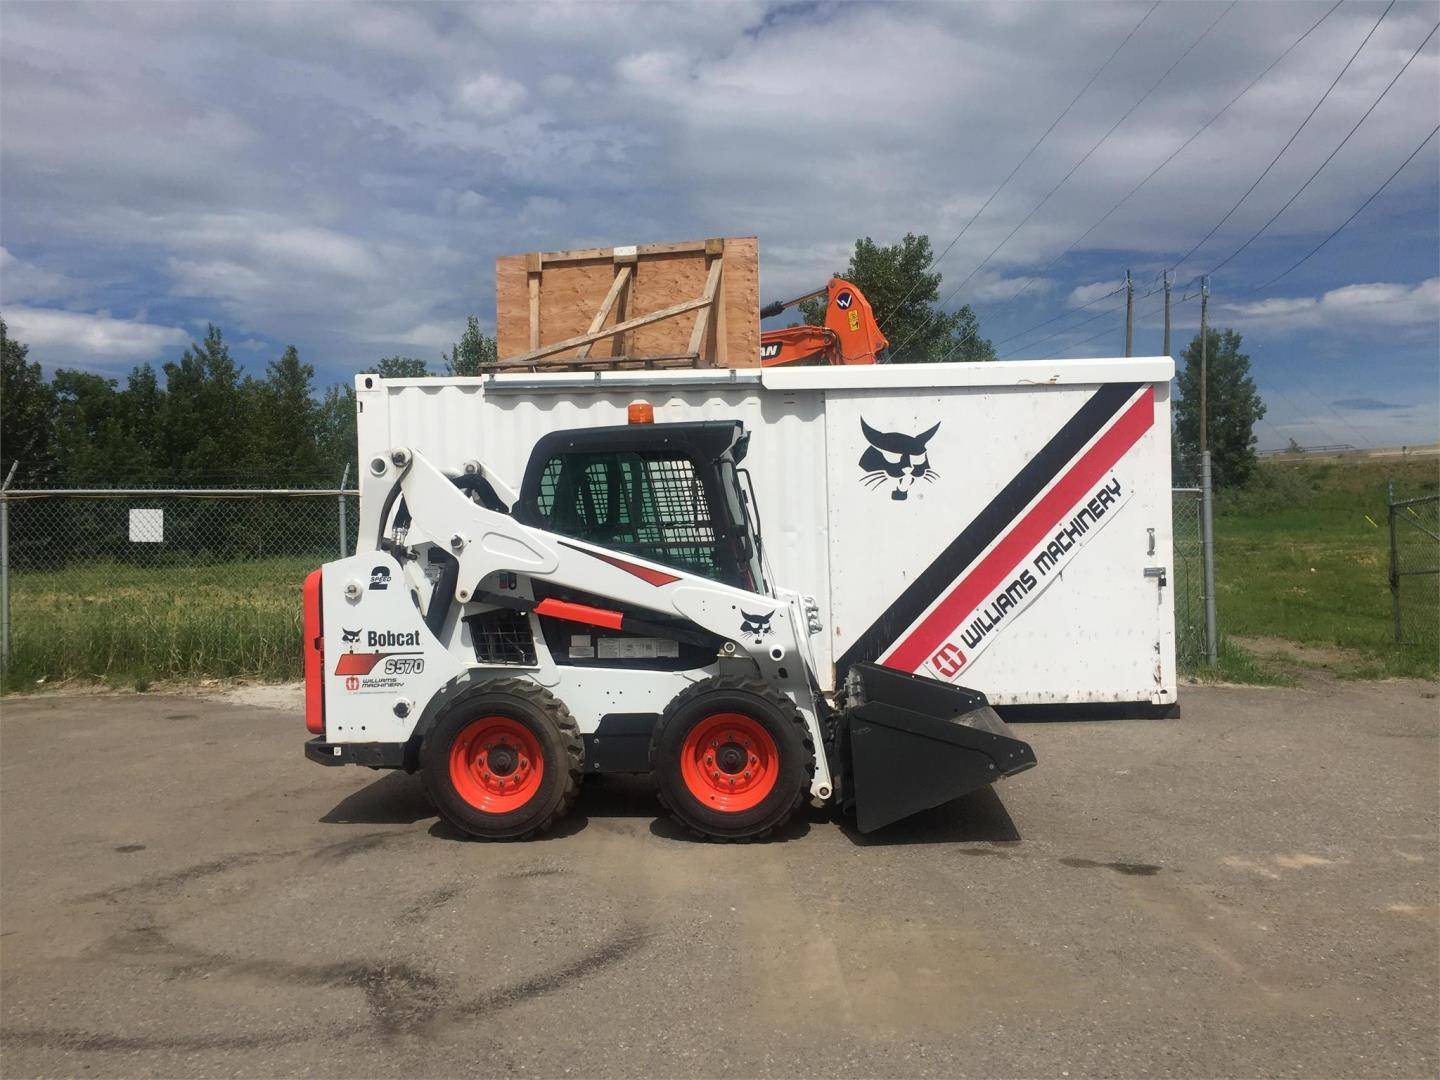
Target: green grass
1302, 556
129, 625
1301, 563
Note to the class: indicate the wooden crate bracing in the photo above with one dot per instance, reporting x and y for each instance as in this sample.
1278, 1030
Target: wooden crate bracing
692, 304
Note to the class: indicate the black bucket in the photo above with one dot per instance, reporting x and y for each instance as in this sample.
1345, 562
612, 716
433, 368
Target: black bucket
909, 743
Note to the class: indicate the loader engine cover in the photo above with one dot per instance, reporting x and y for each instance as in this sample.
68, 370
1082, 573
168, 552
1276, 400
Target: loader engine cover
909, 743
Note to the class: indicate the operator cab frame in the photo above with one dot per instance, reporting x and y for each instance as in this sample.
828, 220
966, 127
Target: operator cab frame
668, 493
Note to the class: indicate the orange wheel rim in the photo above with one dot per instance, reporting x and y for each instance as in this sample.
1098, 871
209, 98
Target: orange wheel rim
729, 762
496, 764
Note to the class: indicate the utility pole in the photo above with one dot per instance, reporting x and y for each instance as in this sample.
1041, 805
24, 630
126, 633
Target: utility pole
1204, 364
1207, 483
1166, 351
1129, 315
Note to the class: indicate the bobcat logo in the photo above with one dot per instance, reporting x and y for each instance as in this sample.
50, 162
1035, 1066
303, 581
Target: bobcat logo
755, 625
893, 455
349, 637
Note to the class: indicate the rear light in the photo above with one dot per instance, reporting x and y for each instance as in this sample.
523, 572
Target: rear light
313, 651
641, 412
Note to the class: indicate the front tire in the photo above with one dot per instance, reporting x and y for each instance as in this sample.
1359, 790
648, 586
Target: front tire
732, 758
503, 762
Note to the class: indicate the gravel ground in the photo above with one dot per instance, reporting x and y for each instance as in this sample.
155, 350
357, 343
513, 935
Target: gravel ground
1251, 890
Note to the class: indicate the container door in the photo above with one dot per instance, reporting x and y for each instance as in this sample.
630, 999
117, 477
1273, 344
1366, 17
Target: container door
998, 537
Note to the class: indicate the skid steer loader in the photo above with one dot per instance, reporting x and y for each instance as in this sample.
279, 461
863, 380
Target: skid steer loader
616, 614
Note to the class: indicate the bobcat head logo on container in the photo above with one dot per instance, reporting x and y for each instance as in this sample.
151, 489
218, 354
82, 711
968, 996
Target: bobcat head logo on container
893, 455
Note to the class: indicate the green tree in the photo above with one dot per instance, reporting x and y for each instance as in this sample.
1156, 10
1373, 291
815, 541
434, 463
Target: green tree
399, 367
286, 435
903, 293
92, 441
335, 432
472, 352
207, 423
27, 407
1233, 405
142, 409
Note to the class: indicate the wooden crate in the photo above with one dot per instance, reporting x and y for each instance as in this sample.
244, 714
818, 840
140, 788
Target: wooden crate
693, 304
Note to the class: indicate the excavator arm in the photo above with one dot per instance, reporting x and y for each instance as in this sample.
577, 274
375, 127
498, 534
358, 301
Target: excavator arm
849, 334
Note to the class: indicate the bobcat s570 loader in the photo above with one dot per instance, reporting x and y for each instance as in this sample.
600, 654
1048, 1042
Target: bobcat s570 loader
616, 614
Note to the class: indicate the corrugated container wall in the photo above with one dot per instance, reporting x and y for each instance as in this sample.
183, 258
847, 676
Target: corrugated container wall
1105, 633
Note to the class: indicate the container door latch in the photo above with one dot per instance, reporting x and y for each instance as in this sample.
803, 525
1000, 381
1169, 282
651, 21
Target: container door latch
1156, 572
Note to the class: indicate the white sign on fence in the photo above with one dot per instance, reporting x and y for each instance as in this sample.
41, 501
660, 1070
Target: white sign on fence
147, 526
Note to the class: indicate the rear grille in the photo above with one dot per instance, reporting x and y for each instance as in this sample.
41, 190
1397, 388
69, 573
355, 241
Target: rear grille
502, 637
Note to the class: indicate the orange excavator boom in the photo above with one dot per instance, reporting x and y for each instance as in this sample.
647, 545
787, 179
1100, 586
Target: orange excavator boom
849, 334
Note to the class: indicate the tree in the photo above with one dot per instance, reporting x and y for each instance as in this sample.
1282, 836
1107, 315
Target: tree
472, 352
399, 367
1233, 405
903, 293
207, 423
27, 407
335, 431
285, 413
92, 441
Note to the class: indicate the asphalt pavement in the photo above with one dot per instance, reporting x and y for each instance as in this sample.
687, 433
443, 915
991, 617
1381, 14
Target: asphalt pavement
1249, 890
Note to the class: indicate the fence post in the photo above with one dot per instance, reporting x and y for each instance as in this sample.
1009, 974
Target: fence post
344, 532
1394, 560
1207, 534
5, 569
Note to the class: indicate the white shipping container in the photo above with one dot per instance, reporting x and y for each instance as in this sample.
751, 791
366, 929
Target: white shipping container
1005, 526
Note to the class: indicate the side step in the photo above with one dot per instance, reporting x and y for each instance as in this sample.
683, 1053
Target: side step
909, 743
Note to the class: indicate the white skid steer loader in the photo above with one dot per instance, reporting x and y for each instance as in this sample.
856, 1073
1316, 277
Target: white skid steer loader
616, 615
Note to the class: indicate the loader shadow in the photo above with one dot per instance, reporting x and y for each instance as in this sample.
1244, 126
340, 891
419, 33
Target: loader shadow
397, 798
979, 817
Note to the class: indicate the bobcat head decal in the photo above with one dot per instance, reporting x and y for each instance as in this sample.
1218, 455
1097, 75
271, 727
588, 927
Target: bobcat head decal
349, 637
755, 625
893, 455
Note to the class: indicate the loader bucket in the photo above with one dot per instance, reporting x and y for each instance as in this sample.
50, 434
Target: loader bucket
910, 743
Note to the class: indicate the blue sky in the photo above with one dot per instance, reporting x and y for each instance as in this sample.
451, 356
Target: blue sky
342, 177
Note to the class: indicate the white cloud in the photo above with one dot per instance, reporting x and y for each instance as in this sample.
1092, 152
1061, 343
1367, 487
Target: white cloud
1084, 294
21, 281
1352, 307
59, 338
490, 95
986, 287
344, 177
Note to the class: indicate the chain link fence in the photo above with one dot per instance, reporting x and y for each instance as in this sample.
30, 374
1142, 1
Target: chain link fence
1189, 570
1415, 569
147, 584
136, 585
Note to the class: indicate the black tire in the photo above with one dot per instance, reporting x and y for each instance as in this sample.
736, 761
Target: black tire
765, 706
553, 731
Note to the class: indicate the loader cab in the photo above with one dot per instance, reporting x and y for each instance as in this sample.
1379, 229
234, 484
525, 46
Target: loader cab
669, 493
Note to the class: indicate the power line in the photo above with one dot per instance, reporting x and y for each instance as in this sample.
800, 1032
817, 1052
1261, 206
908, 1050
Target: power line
1336, 231
1119, 325
1332, 154
1072, 327
1181, 261
1075, 168
1173, 155
1063, 314
1053, 124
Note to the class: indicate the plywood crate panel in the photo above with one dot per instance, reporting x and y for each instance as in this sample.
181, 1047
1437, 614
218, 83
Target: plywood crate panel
573, 286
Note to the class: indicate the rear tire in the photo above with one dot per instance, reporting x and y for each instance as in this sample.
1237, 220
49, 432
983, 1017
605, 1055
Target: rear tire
503, 762
732, 758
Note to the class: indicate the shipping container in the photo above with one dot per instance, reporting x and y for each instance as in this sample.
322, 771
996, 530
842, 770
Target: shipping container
1005, 526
